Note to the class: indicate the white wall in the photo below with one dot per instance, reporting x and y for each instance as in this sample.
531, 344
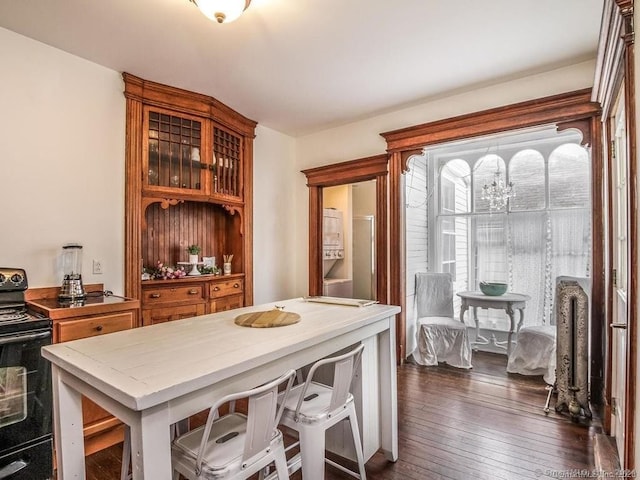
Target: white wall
62, 138
362, 139
62, 162
274, 232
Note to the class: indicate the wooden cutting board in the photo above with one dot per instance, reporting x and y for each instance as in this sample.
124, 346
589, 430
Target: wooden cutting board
268, 319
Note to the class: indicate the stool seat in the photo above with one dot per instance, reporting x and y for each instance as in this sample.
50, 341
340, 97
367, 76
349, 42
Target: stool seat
314, 410
222, 457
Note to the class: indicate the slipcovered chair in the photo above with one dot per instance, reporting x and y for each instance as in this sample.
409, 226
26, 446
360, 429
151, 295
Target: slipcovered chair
535, 352
535, 349
441, 338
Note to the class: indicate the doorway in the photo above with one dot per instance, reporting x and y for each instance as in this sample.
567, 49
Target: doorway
361, 193
349, 238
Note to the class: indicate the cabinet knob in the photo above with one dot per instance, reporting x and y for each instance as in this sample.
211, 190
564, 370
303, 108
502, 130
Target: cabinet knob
155, 295
236, 285
216, 289
99, 328
193, 292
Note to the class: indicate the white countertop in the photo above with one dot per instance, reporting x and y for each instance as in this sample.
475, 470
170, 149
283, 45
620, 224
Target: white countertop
144, 366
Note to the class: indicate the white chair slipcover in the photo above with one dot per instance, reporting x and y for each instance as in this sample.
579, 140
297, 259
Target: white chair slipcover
535, 352
440, 337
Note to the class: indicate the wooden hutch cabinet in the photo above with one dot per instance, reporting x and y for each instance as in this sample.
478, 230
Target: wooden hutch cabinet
189, 174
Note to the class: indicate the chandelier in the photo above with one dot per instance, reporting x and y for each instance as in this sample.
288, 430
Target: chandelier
222, 11
498, 193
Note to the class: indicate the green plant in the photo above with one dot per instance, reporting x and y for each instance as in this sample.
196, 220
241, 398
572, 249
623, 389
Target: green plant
193, 249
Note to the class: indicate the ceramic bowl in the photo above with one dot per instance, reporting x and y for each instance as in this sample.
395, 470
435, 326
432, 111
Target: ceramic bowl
493, 289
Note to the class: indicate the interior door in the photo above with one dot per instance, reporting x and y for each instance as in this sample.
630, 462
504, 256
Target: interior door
620, 225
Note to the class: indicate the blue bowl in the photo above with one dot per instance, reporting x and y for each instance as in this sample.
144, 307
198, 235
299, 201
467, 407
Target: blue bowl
493, 289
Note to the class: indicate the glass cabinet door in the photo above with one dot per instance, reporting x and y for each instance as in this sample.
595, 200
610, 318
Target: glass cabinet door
226, 168
173, 147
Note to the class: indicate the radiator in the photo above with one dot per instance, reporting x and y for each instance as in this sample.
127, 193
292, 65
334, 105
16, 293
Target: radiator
572, 351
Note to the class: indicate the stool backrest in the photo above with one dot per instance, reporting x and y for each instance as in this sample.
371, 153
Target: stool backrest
344, 369
434, 295
263, 416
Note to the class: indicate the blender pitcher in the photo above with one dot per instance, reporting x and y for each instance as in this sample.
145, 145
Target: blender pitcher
72, 288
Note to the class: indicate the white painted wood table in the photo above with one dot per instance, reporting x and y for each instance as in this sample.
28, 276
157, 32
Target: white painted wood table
509, 302
152, 377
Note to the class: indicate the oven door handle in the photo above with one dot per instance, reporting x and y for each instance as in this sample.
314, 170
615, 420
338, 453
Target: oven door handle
24, 338
12, 468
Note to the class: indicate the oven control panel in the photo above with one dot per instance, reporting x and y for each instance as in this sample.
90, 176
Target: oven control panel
12, 279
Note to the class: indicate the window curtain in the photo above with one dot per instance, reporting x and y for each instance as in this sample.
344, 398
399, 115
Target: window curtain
542, 246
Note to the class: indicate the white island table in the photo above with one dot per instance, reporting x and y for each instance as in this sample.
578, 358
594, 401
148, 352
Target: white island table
152, 377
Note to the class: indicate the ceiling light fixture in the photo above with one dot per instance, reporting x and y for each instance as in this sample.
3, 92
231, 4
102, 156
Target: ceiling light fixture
222, 11
498, 193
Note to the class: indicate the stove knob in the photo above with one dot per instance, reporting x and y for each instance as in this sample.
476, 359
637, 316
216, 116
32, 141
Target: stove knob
2, 279
17, 278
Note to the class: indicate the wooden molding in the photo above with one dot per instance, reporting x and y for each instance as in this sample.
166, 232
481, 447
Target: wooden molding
557, 108
360, 170
347, 172
179, 100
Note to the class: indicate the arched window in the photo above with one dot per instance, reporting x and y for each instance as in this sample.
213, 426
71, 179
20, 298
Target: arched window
484, 172
527, 172
543, 232
455, 178
455, 198
569, 179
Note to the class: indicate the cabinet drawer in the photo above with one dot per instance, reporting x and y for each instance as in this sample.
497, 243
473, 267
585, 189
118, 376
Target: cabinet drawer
161, 315
92, 326
187, 293
222, 289
227, 303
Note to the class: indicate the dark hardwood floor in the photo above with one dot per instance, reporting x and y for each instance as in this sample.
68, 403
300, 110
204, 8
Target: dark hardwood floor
457, 424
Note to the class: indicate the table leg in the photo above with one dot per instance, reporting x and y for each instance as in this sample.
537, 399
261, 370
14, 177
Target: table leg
68, 429
521, 322
388, 392
509, 311
151, 445
475, 320
463, 308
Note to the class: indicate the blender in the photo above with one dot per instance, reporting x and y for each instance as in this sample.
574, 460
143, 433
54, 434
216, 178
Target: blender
72, 288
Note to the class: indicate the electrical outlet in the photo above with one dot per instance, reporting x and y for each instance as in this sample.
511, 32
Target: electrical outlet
97, 267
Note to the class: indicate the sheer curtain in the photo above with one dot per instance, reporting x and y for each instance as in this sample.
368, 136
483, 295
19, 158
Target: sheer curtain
542, 246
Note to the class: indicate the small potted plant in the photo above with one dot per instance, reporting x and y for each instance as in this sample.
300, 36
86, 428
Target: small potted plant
193, 250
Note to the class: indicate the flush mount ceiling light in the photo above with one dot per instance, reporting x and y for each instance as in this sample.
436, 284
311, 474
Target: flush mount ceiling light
222, 11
